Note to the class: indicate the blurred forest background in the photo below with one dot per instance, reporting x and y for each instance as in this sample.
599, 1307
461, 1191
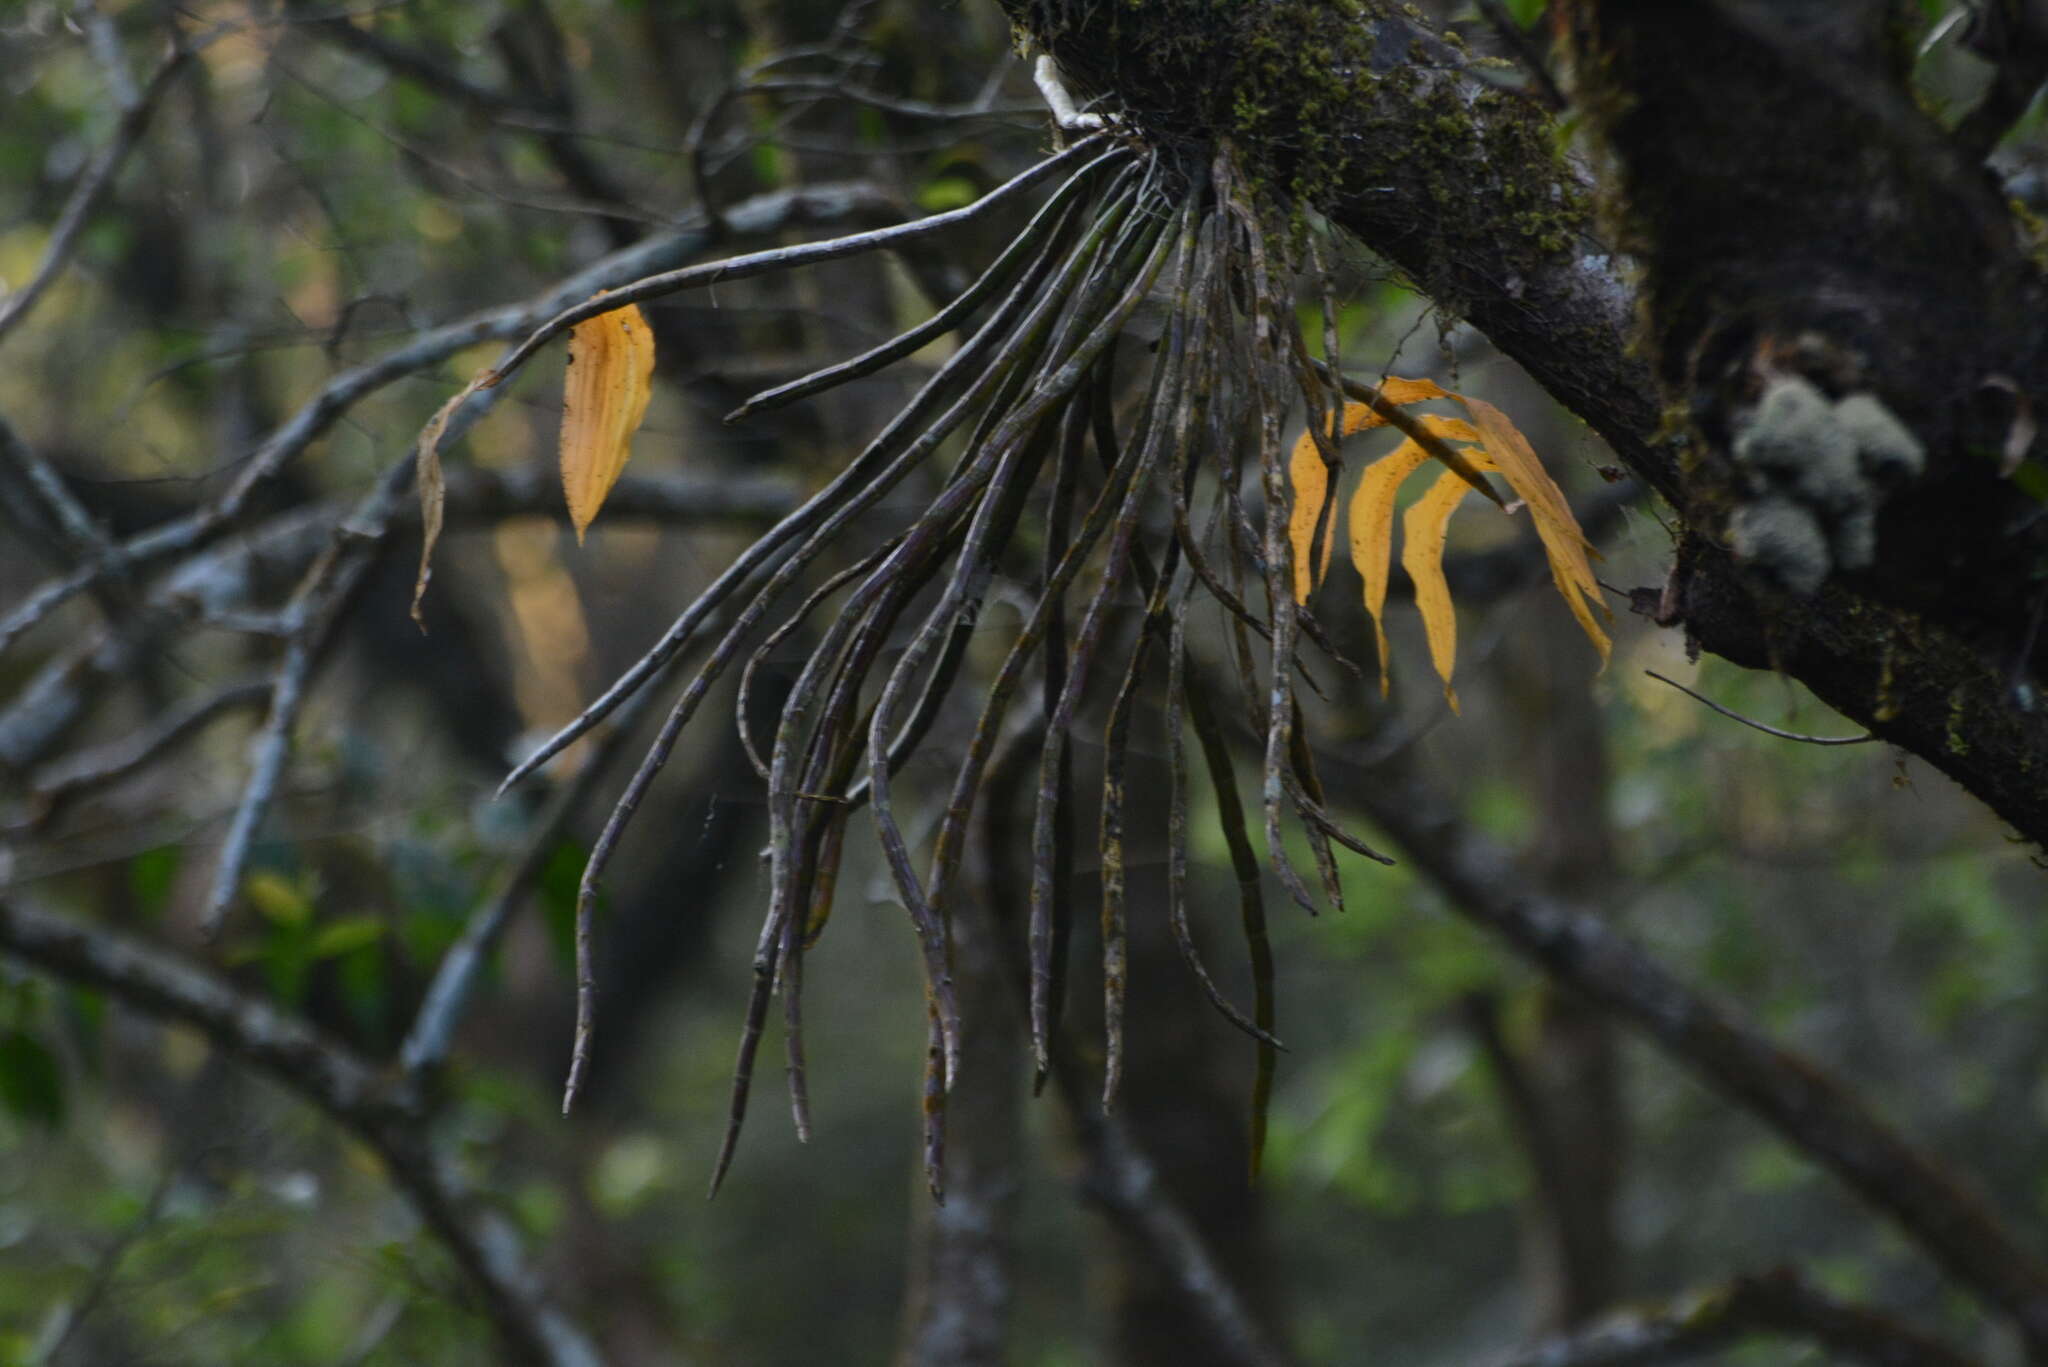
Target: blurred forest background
1460, 1158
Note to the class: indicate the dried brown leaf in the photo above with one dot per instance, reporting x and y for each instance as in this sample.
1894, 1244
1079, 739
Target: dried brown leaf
433, 494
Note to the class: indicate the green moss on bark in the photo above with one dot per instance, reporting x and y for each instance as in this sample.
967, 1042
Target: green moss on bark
1328, 101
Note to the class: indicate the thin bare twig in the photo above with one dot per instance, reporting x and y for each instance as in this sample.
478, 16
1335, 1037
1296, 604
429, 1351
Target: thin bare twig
108, 1265
420, 67
220, 581
104, 42
92, 184
1121, 1177
591, 191
887, 103
66, 688
307, 622
775, 259
49, 496
55, 785
1866, 738
1117, 1174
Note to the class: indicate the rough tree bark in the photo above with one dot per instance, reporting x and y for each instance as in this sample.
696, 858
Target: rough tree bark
1800, 223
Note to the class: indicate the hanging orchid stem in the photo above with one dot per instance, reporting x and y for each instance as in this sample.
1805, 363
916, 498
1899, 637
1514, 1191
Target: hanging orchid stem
1033, 384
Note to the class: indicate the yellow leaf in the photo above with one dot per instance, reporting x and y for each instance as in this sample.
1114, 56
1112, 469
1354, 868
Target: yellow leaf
1397, 390
1372, 519
611, 370
1564, 544
1455, 429
1422, 555
1310, 477
1494, 444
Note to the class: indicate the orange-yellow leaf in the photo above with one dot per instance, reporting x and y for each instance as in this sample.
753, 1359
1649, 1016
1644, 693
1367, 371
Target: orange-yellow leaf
1564, 543
1423, 527
1492, 444
1455, 429
1310, 477
1372, 519
611, 372
1397, 390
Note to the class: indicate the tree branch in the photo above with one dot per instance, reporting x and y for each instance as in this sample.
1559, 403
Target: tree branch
478, 495
1462, 187
1117, 1174
40, 502
1780, 1303
963, 1269
92, 185
763, 214
448, 995
387, 1117
1807, 1107
232, 576
308, 621
1123, 1180
52, 787
429, 73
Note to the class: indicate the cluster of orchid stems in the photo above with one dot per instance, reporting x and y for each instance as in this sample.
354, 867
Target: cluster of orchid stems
1142, 499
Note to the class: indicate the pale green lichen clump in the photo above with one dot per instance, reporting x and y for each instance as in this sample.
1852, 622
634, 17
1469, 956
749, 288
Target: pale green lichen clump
1781, 541
1815, 471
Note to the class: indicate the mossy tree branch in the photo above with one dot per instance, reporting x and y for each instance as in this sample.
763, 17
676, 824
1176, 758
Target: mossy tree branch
1357, 111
